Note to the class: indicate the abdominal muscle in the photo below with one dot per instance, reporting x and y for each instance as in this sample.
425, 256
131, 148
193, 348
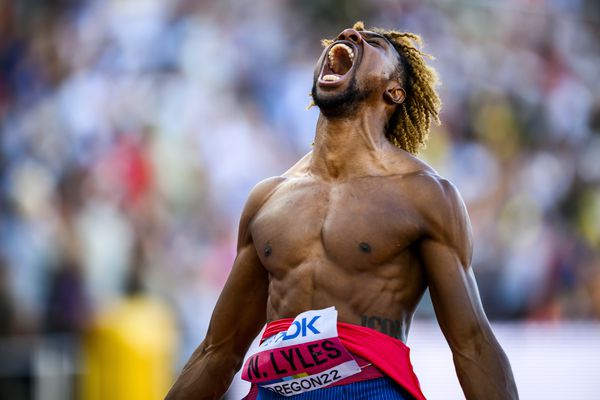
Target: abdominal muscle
384, 300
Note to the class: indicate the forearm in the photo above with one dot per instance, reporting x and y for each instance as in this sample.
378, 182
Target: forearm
207, 375
484, 372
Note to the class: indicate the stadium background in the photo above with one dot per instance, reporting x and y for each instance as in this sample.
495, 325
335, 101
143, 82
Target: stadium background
132, 131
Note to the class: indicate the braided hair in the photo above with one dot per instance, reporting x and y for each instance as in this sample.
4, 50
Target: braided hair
410, 123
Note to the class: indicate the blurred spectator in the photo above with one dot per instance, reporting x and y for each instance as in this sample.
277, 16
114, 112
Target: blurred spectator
130, 350
133, 130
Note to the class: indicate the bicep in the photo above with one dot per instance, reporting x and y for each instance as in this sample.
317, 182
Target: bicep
454, 293
445, 250
446, 254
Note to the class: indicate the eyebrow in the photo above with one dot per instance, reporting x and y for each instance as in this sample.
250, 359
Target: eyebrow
376, 35
369, 33
389, 44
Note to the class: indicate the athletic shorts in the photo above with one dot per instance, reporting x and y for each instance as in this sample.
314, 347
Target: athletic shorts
374, 389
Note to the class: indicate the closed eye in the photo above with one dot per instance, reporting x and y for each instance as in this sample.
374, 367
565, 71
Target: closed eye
374, 43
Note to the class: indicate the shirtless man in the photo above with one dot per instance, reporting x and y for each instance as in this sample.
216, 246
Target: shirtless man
359, 224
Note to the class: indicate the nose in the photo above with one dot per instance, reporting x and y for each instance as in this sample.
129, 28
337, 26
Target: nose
351, 35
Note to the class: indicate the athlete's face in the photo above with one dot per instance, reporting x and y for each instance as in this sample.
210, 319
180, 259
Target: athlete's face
356, 66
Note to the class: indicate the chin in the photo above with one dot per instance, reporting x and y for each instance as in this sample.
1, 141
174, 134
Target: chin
341, 101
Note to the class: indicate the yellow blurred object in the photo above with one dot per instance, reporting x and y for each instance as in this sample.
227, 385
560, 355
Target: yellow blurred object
129, 353
589, 215
496, 125
438, 147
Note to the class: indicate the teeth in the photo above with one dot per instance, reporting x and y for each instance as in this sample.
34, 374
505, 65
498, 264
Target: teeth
343, 46
331, 78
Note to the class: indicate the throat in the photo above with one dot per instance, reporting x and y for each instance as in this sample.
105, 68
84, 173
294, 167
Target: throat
346, 148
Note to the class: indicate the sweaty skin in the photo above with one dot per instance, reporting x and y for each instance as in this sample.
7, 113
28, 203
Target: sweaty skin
360, 225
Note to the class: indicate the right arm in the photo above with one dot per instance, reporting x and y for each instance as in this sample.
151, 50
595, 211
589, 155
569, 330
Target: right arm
237, 318
481, 365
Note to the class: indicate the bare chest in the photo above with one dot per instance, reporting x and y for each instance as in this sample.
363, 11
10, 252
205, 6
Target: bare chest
356, 224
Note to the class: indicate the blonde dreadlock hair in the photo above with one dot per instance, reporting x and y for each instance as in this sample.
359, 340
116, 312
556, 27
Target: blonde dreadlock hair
410, 124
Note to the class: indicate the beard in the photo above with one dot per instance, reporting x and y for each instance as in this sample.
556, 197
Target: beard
343, 104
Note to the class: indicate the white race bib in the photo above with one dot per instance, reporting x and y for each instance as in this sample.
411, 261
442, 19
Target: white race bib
308, 356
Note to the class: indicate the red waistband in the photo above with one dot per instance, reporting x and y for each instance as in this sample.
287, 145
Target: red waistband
389, 356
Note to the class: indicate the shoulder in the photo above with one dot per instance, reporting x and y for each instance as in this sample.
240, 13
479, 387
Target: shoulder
259, 194
423, 182
436, 199
263, 190
443, 212
433, 191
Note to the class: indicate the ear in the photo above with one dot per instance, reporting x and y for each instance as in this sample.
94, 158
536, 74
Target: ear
394, 94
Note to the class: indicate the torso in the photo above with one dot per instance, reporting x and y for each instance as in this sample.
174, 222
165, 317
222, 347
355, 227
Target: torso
348, 244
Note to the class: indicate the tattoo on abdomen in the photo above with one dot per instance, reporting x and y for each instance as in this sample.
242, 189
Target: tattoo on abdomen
391, 327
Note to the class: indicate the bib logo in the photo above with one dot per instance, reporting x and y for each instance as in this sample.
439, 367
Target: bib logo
301, 327
307, 356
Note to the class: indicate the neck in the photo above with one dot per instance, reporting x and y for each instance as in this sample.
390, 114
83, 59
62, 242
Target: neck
349, 147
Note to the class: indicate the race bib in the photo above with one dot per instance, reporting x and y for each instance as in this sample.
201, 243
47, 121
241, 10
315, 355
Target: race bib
308, 356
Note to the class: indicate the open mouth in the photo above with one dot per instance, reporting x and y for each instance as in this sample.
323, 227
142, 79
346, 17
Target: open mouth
340, 58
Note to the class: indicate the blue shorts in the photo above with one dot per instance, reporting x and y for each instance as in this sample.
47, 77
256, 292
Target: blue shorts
379, 388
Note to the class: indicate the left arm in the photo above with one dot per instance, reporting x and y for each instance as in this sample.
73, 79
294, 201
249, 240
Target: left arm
481, 365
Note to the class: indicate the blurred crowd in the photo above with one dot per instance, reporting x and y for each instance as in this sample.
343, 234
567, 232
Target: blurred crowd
131, 132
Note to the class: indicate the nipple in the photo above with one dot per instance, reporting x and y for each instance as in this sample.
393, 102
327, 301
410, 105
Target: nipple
267, 250
365, 247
